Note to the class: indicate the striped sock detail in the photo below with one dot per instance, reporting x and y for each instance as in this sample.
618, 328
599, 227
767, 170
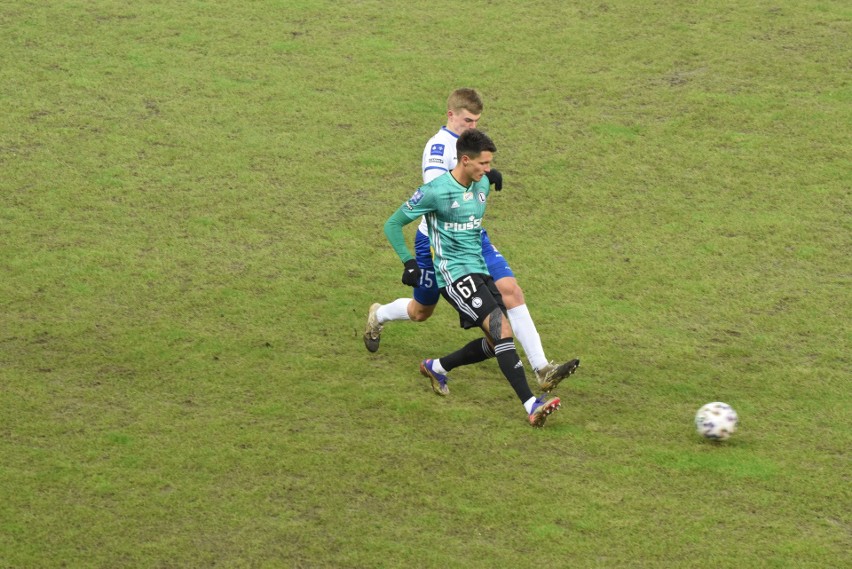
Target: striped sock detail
512, 368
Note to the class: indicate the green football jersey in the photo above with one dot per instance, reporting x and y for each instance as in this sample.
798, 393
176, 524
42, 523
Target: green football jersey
454, 216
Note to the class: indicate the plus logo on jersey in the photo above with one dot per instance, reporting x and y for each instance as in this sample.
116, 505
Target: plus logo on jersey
474, 223
437, 150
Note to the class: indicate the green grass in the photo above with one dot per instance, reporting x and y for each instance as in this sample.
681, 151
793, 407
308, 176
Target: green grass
191, 209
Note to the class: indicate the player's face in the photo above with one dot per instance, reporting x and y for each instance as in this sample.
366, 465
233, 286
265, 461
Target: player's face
477, 167
461, 120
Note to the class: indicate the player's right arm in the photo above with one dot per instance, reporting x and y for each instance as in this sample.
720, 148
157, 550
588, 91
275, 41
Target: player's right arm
418, 204
393, 231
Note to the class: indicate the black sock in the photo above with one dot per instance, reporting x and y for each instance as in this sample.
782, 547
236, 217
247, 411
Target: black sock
512, 368
475, 352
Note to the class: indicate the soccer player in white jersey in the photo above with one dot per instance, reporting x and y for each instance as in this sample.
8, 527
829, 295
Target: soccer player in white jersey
464, 108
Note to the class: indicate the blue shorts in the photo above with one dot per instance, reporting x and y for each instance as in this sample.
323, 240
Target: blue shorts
427, 293
498, 266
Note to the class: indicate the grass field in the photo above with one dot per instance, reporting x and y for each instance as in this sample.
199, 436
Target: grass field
191, 208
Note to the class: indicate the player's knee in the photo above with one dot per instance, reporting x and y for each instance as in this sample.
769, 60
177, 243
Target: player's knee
511, 292
496, 327
420, 312
420, 316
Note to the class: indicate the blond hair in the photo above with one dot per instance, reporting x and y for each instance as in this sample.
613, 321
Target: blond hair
467, 99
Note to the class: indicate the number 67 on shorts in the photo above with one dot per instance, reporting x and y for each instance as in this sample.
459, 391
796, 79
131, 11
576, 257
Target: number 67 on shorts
474, 296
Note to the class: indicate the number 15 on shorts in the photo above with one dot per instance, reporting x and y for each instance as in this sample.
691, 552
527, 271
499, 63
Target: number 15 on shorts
427, 279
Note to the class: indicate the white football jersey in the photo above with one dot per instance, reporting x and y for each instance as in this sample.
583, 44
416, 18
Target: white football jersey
439, 156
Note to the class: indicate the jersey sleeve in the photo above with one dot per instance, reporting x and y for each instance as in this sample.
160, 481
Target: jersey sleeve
393, 231
436, 160
421, 202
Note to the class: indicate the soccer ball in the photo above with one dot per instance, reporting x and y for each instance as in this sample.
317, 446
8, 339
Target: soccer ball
716, 421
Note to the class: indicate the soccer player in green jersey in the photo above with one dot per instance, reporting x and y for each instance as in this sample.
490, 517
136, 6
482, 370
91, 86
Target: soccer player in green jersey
454, 205
464, 109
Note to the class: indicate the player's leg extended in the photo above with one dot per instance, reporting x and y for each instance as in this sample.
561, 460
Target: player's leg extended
538, 408
513, 299
437, 369
499, 332
477, 300
417, 309
473, 352
548, 374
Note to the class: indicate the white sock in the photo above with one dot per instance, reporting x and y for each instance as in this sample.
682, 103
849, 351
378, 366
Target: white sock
436, 365
524, 329
528, 404
396, 310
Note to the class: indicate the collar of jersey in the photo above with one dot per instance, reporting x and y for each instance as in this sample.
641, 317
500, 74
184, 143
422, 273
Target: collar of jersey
465, 188
449, 131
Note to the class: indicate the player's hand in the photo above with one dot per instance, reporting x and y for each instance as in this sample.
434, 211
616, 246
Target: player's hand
495, 178
411, 273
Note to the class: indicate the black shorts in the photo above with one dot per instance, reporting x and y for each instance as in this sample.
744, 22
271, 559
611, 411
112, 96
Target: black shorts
474, 297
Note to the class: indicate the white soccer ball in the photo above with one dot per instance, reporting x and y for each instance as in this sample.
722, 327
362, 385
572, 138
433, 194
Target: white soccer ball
716, 421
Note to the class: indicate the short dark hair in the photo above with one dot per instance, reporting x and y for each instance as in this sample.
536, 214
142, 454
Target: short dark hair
473, 142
